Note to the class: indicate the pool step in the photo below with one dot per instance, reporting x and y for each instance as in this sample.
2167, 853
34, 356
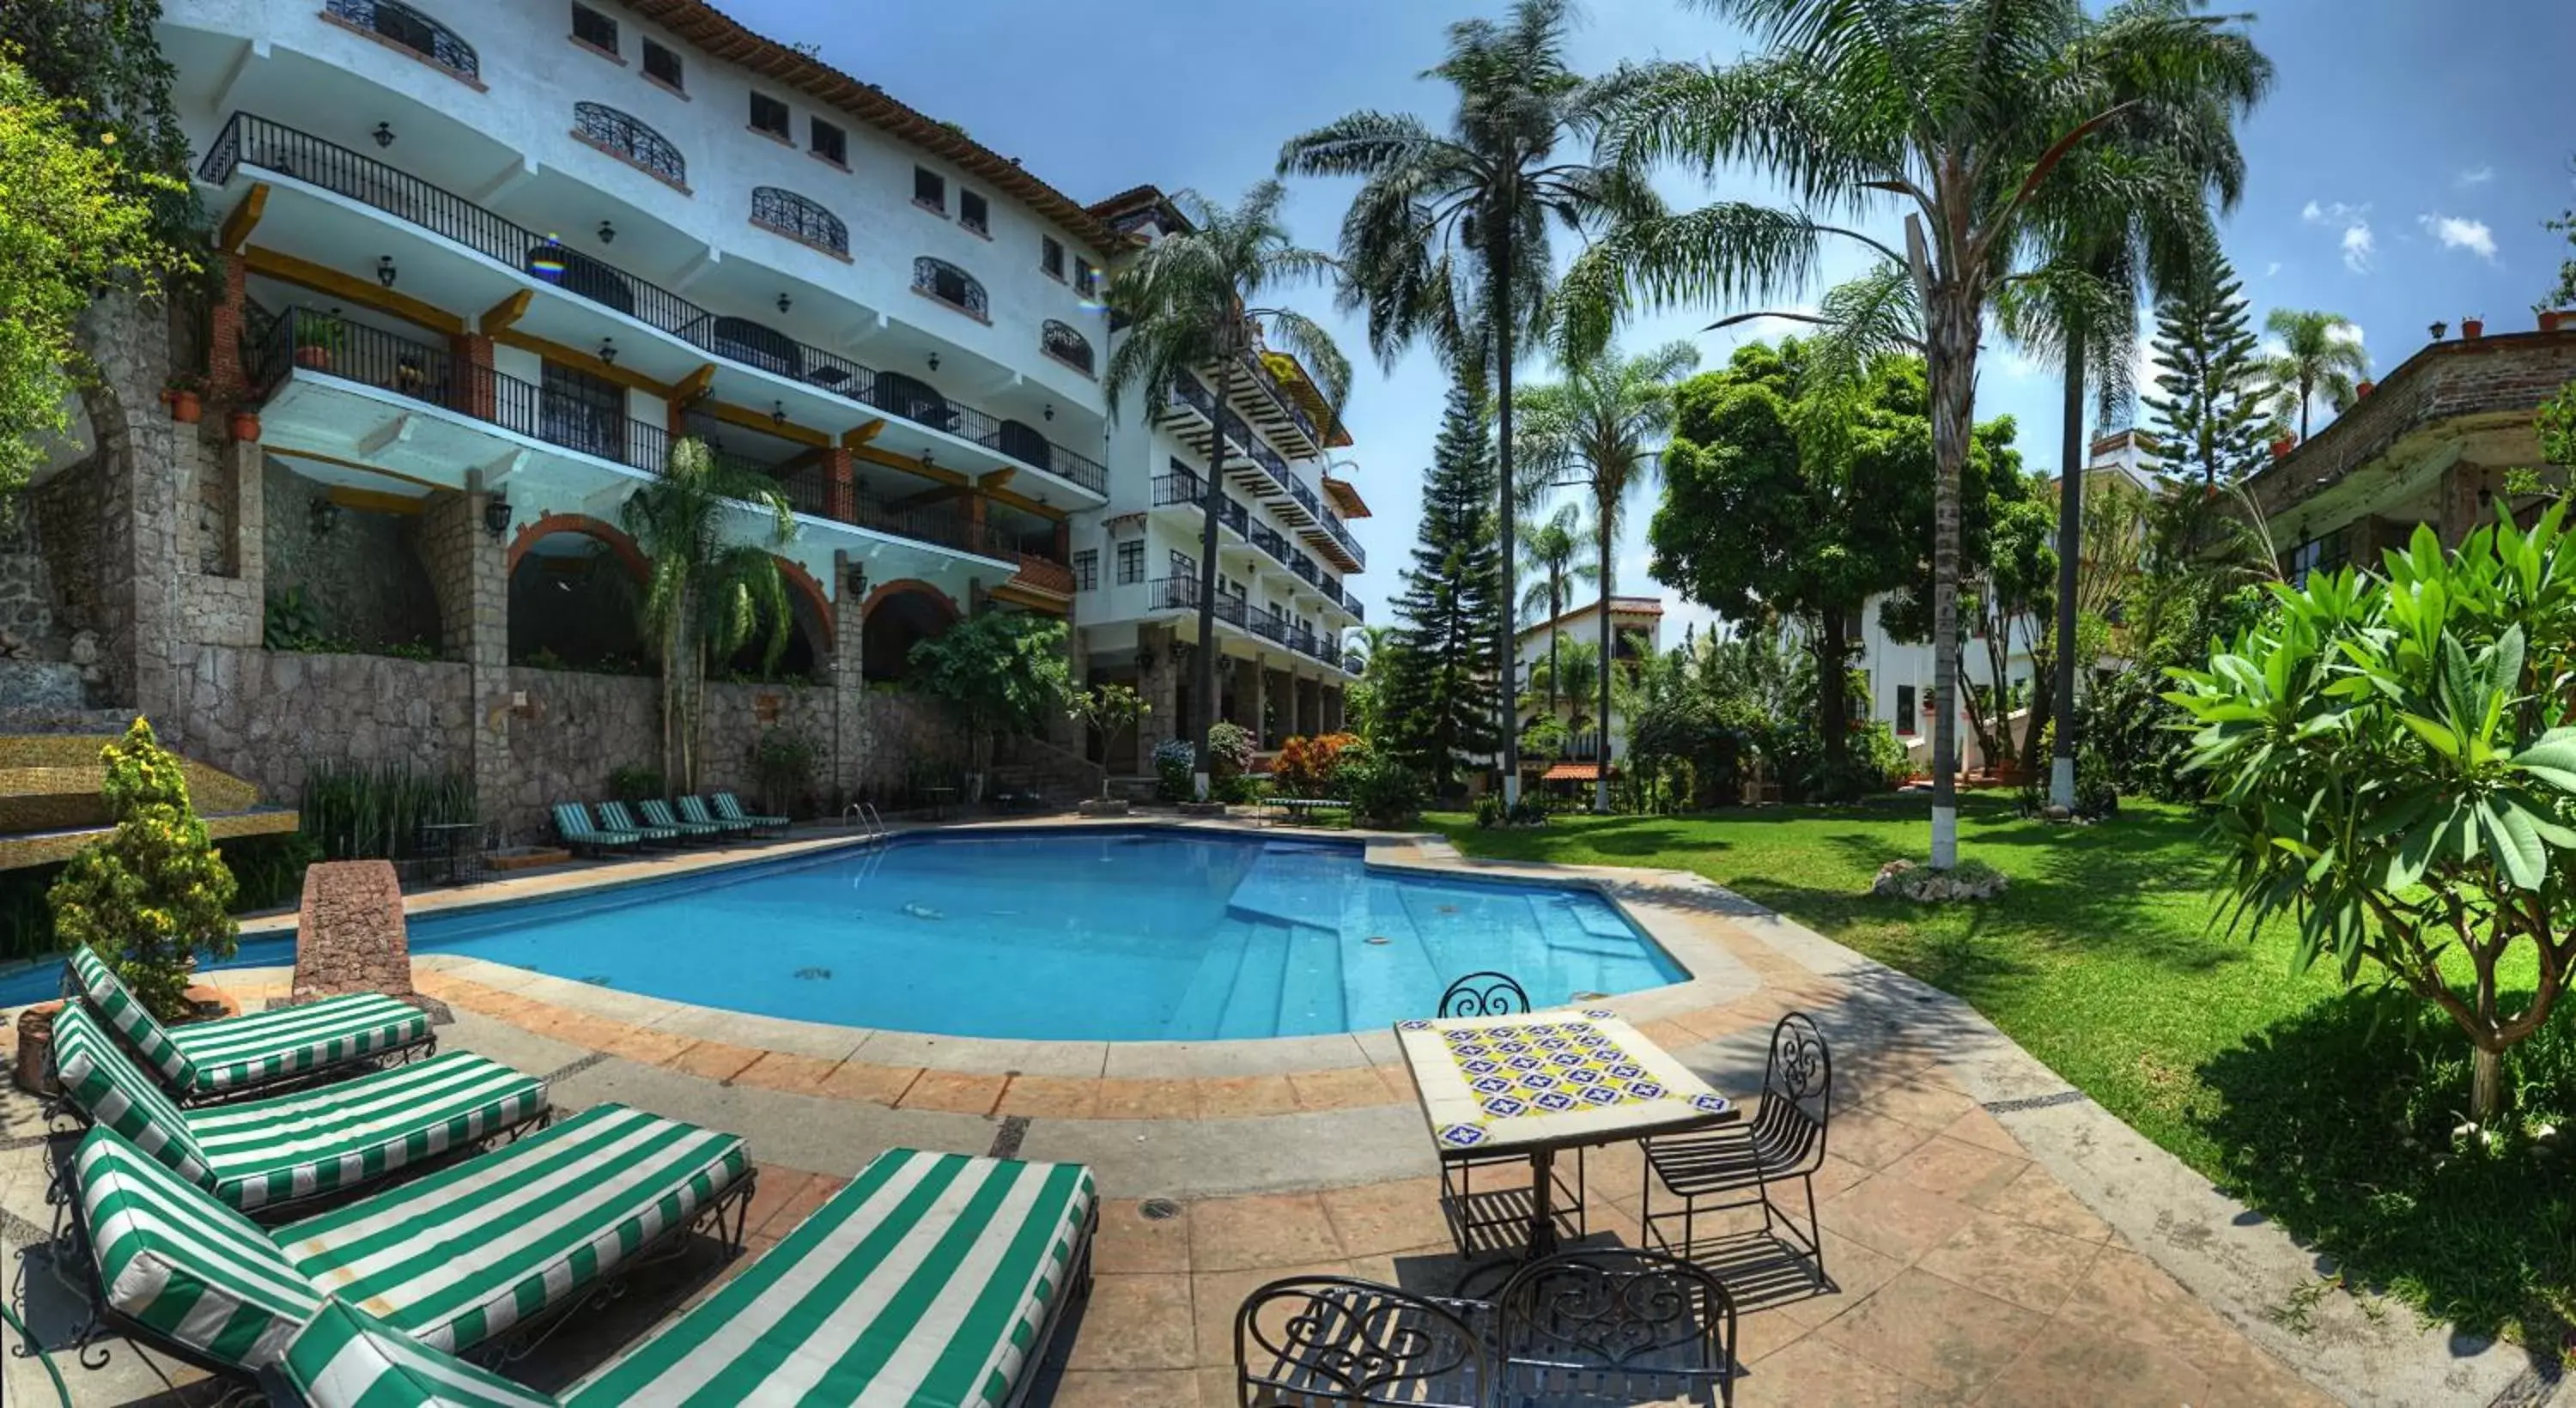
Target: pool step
1201, 1009
1574, 926
1252, 1002
1289, 884
1310, 986
1388, 981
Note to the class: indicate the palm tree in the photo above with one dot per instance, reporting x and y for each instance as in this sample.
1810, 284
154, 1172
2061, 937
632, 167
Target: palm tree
1447, 240
1367, 644
1602, 427
707, 594
1957, 112
1554, 550
1574, 671
2320, 352
1194, 299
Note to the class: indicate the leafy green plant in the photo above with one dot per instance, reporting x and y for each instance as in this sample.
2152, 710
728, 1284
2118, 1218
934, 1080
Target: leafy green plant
1229, 752
784, 761
1001, 670
320, 331
1173, 759
635, 783
269, 870
353, 811
410, 650
1107, 708
1382, 791
152, 892
291, 622
1489, 810
2393, 767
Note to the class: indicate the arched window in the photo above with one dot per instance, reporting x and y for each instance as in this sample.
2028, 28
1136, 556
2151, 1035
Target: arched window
1062, 342
410, 29
798, 218
949, 284
632, 140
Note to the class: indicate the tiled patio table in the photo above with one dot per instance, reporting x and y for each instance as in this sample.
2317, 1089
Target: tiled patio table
1538, 1082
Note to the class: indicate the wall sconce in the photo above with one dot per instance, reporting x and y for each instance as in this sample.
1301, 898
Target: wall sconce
926, 461
323, 516
2438, 329
607, 233
1049, 412
384, 134
783, 302
934, 361
496, 515
608, 350
385, 270
778, 413
859, 583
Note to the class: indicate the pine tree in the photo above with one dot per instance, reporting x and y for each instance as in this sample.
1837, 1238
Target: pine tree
1439, 701
2208, 423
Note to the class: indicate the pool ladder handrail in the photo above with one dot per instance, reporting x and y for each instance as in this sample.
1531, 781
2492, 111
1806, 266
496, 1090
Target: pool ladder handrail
865, 816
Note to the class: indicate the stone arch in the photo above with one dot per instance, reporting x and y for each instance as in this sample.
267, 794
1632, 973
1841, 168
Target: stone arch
565, 605
620, 546
801, 584
898, 614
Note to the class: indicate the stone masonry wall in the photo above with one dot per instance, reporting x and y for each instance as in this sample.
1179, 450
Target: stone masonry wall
572, 731
363, 579
264, 715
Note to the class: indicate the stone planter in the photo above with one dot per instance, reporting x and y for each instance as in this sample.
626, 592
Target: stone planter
1104, 806
525, 857
35, 1070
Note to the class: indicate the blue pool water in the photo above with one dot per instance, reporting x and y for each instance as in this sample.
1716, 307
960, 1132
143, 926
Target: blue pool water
1144, 935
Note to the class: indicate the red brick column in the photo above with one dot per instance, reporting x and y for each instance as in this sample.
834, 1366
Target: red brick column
474, 390
226, 382
841, 484
1064, 542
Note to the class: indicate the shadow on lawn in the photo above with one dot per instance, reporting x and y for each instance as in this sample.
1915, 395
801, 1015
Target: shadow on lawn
2338, 1123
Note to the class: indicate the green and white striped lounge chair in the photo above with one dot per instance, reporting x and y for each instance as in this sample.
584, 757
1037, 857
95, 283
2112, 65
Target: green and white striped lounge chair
695, 809
729, 807
203, 1062
573, 824
615, 817
263, 1156
932, 1281
452, 1261
658, 812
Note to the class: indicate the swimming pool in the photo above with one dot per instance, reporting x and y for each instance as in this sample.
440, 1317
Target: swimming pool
1122, 935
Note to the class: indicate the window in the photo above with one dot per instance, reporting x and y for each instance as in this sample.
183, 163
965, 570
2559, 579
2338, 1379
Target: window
973, 214
830, 142
798, 218
400, 24
581, 411
769, 115
1062, 342
1086, 568
593, 28
2315, 555
931, 189
949, 284
663, 66
1050, 257
1131, 563
1184, 566
1086, 280
1905, 710
615, 132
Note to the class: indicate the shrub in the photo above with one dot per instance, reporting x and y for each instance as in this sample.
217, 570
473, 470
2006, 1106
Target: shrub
1489, 810
1306, 766
1229, 752
635, 783
356, 812
1530, 810
269, 870
1381, 791
151, 892
1173, 760
784, 762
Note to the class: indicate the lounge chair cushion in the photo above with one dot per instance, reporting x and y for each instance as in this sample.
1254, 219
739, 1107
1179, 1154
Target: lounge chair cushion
463, 1254
212, 1058
117, 1094
730, 807
927, 1281
346, 1358
694, 809
182, 1264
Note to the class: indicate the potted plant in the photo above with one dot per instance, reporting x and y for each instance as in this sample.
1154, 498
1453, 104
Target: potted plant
2473, 328
317, 337
2550, 318
245, 425
185, 393
2282, 445
2362, 388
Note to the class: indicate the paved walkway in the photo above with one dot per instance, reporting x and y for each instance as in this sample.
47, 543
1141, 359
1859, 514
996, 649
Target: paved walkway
1990, 1238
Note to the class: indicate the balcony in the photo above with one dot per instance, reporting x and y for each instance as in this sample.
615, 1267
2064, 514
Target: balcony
1330, 535
1170, 489
1304, 567
311, 342
1271, 543
251, 141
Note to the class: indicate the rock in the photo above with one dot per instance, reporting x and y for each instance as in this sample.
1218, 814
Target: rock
1970, 880
350, 936
85, 648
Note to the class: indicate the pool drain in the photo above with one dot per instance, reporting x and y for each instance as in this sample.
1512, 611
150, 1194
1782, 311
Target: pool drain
1158, 1210
812, 974
1379, 939
600, 980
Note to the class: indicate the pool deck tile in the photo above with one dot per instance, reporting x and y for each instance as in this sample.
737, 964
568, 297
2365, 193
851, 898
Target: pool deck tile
781, 1070
717, 1061
1123, 1098
865, 1080
956, 1092
1339, 1090
1239, 1097
1053, 1097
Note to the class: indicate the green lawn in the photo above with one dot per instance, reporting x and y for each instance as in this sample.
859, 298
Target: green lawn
2106, 959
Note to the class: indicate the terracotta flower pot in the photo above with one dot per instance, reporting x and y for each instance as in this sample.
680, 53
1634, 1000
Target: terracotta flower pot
185, 408
34, 1072
245, 426
2282, 447
2362, 388
313, 357
2549, 321
2473, 328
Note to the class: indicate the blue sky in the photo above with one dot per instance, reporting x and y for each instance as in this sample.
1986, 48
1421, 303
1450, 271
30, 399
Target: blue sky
2399, 172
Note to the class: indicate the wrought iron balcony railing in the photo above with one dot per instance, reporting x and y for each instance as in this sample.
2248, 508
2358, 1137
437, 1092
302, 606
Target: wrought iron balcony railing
250, 140
1271, 543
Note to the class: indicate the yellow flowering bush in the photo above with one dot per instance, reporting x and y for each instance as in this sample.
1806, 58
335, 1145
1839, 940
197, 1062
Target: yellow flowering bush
154, 890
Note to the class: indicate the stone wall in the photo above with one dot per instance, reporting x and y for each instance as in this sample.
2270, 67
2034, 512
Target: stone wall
62, 517
570, 732
363, 579
263, 715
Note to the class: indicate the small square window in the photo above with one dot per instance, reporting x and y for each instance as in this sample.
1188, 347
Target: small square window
663, 65
593, 28
1131, 563
1086, 569
930, 188
973, 214
1086, 280
830, 142
769, 115
1050, 257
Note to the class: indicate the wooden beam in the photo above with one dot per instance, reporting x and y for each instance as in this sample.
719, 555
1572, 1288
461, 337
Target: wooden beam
689, 388
350, 289
373, 500
926, 497
890, 460
1027, 505
292, 453
574, 357
1032, 600
503, 315
244, 219
766, 424
995, 480
853, 439
383, 437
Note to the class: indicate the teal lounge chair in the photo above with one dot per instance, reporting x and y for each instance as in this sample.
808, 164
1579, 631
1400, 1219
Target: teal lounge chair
572, 822
468, 1256
729, 807
207, 1062
933, 1279
658, 812
261, 1156
615, 817
695, 809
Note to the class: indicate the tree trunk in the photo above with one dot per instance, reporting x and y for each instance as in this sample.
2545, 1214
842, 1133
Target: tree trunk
1953, 320
1833, 689
1601, 769
2486, 1085
1506, 657
2070, 551
1203, 665
1555, 608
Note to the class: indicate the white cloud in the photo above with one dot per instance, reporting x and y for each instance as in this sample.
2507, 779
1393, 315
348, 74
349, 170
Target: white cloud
2477, 175
2358, 242
2460, 232
2272, 268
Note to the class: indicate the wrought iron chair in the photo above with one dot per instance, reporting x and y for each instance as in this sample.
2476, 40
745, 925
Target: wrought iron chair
1784, 1141
1332, 1342
1491, 994
1614, 1325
